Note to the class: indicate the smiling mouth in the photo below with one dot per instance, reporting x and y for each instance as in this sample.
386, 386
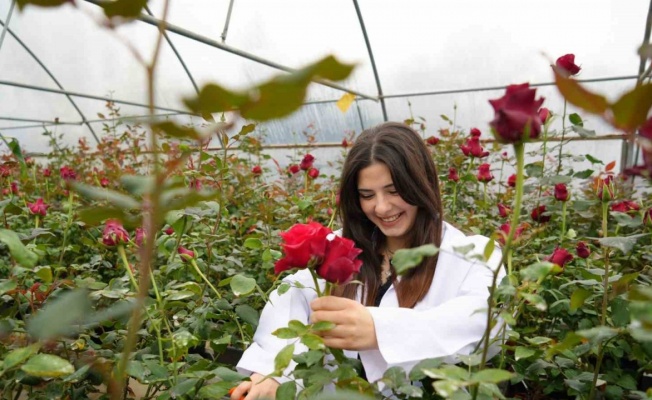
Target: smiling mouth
391, 219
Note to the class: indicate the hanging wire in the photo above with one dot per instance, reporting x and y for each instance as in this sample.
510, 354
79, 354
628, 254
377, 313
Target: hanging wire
227, 22
4, 29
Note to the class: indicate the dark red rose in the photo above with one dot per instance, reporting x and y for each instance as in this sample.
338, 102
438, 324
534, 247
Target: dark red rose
114, 234
38, 207
294, 168
313, 173
46, 172
625, 206
484, 174
567, 63
504, 232
544, 114
560, 257
345, 143
140, 236
185, 254
538, 214
14, 187
340, 264
511, 181
516, 112
503, 210
306, 162
303, 243
452, 174
169, 231
475, 132
104, 182
582, 250
432, 140
472, 148
67, 173
257, 170
561, 192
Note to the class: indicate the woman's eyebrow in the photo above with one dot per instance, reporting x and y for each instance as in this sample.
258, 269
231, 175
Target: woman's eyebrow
391, 185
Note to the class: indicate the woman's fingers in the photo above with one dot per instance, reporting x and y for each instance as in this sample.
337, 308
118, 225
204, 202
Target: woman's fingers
239, 392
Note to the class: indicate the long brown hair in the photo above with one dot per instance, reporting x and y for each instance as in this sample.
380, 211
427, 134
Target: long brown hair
414, 176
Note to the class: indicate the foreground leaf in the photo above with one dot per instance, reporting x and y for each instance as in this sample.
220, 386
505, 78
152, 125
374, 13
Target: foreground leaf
48, 366
18, 251
406, 259
61, 316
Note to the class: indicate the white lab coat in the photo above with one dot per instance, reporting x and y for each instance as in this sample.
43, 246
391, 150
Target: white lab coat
449, 321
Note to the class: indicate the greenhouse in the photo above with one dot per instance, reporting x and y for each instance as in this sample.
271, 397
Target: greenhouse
332, 200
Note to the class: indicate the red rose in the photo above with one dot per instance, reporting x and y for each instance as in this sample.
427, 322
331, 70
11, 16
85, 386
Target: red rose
46, 172
14, 187
645, 133
140, 236
544, 114
511, 181
257, 170
114, 234
67, 173
5, 171
432, 140
560, 257
307, 162
567, 63
169, 231
625, 206
345, 143
340, 264
185, 254
303, 243
313, 173
104, 182
484, 174
38, 207
294, 168
537, 214
504, 232
516, 112
582, 250
561, 192
472, 148
452, 174
503, 210
475, 132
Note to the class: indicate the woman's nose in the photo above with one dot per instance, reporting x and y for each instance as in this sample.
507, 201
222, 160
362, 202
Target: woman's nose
382, 205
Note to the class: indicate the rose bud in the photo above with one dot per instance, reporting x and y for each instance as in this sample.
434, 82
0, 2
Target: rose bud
567, 63
432, 140
561, 192
169, 231
104, 182
38, 207
544, 114
294, 168
452, 174
313, 173
537, 214
582, 250
475, 132
46, 172
504, 232
140, 236
185, 254
503, 210
560, 257
306, 162
484, 174
511, 181
257, 170
14, 187
114, 234
605, 189
345, 143
515, 113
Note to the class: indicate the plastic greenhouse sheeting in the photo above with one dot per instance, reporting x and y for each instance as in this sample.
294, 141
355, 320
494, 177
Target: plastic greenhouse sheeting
418, 46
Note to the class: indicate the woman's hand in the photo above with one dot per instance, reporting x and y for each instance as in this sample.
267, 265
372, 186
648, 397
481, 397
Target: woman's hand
354, 326
255, 389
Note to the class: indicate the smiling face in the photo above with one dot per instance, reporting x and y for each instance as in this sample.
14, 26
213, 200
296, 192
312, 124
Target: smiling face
382, 204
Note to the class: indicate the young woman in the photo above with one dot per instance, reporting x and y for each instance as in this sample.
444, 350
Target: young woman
389, 200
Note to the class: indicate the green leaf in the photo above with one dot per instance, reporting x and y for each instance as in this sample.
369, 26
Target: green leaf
489, 250
523, 352
60, 316
138, 185
253, 243
283, 358
14, 146
19, 356
184, 388
44, 274
180, 295
539, 270
298, 327
173, 130
577, 95
535, 300
181, 198
406, 259
575, 119
313, 342
248, 314
96, 215
227, 374
394, 377
41, 3
242, 285
583, 132
632, 109
491, 375
583, 174
216, 390
571, 340
592, 159
285, 333
123, 8
534, 169
287, 391
620, 312
18, 251
48, 366
323, 326
7, 285
578, 297
624, 219
309, 358
622, 243
598, 334
117, 199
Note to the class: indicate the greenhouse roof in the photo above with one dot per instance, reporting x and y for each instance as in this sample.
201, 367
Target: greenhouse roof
419, 59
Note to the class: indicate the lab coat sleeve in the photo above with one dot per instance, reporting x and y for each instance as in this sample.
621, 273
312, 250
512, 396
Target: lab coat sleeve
279, 310
407, 336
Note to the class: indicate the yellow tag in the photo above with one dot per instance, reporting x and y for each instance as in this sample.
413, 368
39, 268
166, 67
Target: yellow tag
345, 102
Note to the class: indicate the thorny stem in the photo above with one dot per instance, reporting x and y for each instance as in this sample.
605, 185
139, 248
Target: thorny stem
150, 222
